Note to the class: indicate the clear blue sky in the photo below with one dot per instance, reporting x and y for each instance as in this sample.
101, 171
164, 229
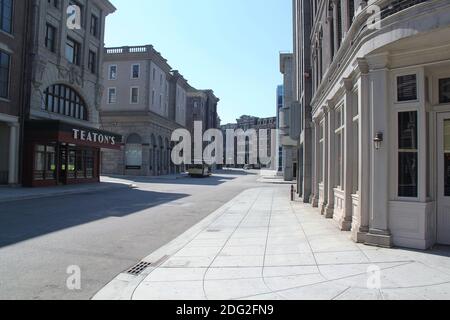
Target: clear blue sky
230, 46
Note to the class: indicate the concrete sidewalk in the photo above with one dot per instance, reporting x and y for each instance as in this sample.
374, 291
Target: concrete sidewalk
15, 194
262, 246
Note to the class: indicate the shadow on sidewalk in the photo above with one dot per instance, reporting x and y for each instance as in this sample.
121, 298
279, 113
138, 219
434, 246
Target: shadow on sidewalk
27, 219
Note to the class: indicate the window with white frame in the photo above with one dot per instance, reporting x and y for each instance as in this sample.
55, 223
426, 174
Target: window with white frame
112, 95
408, 155
134, 95
407, 88
339, 147
112, 72
321, 151
355, 135
444, 90
135, 71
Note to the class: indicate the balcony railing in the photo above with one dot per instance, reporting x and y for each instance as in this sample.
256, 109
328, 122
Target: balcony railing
124, 50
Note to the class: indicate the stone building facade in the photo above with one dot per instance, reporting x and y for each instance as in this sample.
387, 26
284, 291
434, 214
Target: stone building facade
14, 28
380, 80
242, 149
202, 106
66, 50
144, 101
288, 124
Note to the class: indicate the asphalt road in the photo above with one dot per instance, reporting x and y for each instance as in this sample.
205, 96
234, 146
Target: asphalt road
103, 233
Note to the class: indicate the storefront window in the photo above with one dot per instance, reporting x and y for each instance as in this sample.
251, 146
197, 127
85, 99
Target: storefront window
408, 155
80, 165
50, 170
71, 164
89, 164
39, 162
44, 162
133, 152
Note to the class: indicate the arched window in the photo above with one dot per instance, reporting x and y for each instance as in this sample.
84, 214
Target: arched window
133, 152
64, 100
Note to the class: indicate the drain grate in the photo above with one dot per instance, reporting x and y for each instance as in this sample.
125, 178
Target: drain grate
213, 230
139, 268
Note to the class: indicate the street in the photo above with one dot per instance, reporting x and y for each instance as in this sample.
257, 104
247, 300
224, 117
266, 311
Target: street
103, 234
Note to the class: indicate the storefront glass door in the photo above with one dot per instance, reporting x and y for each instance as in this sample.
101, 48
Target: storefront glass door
443, 173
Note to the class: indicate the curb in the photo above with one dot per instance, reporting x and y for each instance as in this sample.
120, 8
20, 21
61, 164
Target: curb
65, 193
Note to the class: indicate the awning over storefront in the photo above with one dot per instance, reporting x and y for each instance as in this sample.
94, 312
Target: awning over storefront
36, 130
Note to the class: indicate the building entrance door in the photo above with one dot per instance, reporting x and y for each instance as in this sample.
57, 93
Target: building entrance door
443, 176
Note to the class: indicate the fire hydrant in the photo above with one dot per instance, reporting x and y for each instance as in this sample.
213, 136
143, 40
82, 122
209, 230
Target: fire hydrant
292, 193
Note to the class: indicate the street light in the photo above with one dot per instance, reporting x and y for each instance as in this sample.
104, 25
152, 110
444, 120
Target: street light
378, 140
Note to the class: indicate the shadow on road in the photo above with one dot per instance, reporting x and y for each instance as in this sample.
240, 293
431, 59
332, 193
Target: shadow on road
219, 177
27, 219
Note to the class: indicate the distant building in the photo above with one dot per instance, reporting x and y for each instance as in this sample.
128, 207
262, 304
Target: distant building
246, 123
280, 94
202, 106
144, 101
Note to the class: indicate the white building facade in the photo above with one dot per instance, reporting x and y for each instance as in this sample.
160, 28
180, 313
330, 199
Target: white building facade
381, 118
144, 101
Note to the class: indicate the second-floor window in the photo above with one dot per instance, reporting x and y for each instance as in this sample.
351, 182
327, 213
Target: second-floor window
112, 72
135, 71
5, 60
134, 99
112, 95
6, 10
73, 51
50, 38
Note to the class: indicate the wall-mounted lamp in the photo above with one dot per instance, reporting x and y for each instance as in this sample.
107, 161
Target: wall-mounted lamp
378, 140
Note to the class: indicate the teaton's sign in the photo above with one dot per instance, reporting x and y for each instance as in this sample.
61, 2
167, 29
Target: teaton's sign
94, 137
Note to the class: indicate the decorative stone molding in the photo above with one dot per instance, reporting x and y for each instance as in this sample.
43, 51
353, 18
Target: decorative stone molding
40, 67
361, 65
347, 84
71, 75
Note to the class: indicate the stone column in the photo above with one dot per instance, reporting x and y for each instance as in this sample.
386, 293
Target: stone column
360, 225
316, 173
13, 166
346, 221
331, 167
379, 233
